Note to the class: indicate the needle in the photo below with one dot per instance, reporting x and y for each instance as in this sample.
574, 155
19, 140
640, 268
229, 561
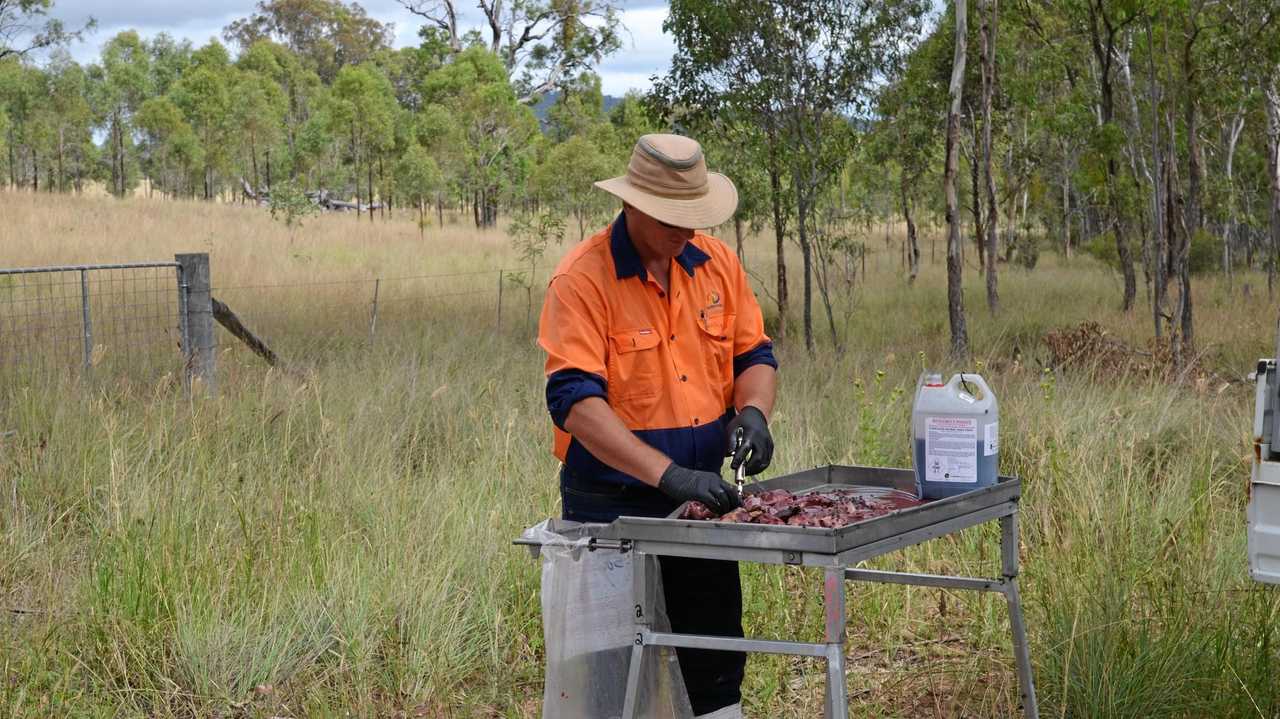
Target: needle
740, 474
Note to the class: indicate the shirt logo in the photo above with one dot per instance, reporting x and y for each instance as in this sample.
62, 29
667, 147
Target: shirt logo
713, 299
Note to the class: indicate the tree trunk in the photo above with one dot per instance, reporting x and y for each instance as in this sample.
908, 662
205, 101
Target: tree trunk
1066, 213
806, 255
369, 188
975, 209
737, 235
384, 198
1233, 137
911, 249
780, 233
1273, 173
253, 155
13, 161
1159, 194
439, 211
267, 153
62, 175
1102, 41
990, 12
955, 292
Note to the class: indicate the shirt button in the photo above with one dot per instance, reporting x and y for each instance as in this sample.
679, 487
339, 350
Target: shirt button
695, 420
684, 378
673, 338
661, 293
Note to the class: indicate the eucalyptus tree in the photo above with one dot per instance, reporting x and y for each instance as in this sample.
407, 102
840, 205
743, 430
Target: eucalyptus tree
910, 117
418, 180
493, 127
25, 27
71, 117
988, 12
204, 93
172, 150
543, 44
802, 71
119, 84
327, 35
300, 86
566, 175
955, 265
258, 114
362, 106
20, 90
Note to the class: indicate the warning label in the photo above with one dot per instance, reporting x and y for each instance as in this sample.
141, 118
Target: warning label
951, 449
992, 443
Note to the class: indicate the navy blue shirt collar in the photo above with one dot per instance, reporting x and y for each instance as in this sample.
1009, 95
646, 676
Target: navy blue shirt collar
626, 260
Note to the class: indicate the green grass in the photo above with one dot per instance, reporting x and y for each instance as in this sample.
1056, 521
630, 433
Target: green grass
338, 543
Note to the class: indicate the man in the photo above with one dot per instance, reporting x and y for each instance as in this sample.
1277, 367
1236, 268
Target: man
656, 355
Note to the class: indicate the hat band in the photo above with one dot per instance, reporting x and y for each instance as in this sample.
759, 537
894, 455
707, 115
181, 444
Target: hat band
674, 193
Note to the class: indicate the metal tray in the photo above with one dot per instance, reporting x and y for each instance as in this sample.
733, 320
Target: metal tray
952, 513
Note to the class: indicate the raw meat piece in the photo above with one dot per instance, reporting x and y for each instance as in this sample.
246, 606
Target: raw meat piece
698, 510
825, 510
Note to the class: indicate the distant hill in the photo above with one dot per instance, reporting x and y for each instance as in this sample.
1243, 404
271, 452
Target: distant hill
540, 110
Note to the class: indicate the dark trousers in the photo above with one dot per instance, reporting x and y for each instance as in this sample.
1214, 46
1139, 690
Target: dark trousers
703, 596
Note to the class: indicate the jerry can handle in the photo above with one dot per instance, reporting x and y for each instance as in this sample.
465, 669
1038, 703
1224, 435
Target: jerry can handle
987, 395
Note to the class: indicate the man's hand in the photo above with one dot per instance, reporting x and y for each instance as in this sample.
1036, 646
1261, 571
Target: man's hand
756, 440
684, 484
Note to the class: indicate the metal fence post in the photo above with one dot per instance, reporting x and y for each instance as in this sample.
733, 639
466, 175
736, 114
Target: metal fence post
85, 320
373, 318
498, 324
201, 345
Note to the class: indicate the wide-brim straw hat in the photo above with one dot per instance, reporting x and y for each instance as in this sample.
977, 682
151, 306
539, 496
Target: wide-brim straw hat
667, 179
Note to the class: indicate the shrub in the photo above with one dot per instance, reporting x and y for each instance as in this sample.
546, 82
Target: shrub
1103, 248
1206, 252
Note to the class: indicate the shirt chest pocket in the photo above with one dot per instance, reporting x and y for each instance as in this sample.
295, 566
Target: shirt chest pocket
716, 334
635, 364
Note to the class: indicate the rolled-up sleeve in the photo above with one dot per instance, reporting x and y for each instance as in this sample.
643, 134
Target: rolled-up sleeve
571, 331
751, 346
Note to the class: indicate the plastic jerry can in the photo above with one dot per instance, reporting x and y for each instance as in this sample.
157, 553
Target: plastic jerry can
956, 435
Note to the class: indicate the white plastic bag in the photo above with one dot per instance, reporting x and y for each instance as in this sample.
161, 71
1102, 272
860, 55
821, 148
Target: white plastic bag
588, 624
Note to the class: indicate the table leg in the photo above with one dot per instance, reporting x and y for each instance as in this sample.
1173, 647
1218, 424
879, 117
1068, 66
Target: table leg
833, 594
1017, 625
643, 612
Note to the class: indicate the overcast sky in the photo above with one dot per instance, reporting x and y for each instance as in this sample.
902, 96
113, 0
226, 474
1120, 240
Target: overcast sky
646, 50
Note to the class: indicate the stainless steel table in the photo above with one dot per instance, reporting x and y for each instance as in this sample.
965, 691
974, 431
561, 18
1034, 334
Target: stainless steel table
837, 552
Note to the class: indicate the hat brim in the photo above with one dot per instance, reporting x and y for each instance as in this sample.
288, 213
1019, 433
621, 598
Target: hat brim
712, 209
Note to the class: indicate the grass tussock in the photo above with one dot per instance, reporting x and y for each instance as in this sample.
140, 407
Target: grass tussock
335, 541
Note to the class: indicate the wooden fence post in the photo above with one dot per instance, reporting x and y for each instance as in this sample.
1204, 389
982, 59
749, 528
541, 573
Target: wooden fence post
201, 346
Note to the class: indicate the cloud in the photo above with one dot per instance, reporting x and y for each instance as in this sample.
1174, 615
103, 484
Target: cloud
646, 50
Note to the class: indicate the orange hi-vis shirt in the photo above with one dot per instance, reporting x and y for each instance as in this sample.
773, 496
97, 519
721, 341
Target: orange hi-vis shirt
665, 362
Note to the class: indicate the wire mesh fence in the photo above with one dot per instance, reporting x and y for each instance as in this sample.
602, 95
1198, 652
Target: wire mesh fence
123, 318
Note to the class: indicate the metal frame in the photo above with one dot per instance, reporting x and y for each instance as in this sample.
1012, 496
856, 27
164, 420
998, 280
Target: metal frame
847, 547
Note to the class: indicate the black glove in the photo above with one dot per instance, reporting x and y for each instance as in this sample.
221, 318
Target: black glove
683, 484
756, 440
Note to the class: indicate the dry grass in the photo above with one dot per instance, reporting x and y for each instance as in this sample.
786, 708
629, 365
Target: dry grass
336, 544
